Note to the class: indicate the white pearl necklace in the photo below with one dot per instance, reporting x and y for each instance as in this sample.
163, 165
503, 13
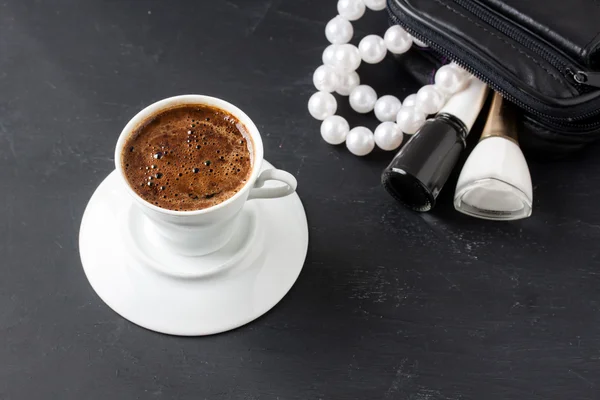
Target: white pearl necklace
338, 74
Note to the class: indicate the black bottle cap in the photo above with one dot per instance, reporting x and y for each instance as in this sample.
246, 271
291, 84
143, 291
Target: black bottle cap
408, 190
419, 171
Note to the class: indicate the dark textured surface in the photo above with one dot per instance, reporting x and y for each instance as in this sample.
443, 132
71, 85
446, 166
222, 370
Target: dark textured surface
390, 304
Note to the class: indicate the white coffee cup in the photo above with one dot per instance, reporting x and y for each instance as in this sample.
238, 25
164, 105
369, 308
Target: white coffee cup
200, 232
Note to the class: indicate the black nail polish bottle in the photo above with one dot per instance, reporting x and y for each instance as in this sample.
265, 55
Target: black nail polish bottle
419, 171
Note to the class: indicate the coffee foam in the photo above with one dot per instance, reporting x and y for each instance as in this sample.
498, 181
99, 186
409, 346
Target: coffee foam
187, 158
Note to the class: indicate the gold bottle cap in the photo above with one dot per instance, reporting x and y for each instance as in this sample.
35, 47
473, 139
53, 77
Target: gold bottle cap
501, 120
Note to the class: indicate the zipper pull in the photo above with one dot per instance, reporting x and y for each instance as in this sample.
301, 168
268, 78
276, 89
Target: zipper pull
587, 78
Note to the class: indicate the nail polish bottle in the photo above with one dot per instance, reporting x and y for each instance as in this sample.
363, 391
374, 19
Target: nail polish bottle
419, 171
495, 182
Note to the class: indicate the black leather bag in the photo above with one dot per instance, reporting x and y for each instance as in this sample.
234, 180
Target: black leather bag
542, 55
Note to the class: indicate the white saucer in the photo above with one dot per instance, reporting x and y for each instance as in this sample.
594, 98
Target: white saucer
190, 296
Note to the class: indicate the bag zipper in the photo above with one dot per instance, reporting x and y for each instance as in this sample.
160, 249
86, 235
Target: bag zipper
566, 66
587, 78
441, 45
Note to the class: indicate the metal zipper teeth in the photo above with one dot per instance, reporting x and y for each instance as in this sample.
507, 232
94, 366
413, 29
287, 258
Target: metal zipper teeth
552, 122
583, 80
558, 61
580, 78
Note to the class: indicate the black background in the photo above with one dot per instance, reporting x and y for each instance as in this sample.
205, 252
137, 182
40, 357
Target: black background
390, 304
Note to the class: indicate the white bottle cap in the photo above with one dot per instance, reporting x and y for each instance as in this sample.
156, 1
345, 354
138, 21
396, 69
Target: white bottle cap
466, 104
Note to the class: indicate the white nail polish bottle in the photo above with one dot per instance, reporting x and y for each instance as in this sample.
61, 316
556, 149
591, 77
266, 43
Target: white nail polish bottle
495, 183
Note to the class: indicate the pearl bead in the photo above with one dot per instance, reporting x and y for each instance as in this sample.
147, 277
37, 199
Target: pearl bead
409, 119
397, 40
386, 108
339, 30
460, 69
430, 99
410, 100
449, 80
351, 9
362, 99
329, 54
347, 83
372, 49
360, 141
388, 136
375, 5
322, 105
346, 58
419, 42
325, 78
334, 129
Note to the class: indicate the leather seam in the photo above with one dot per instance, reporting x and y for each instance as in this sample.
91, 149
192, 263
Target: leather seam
588, 44
502, 40
587, 50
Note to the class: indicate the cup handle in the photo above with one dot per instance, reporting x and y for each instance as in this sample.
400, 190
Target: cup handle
260, 192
